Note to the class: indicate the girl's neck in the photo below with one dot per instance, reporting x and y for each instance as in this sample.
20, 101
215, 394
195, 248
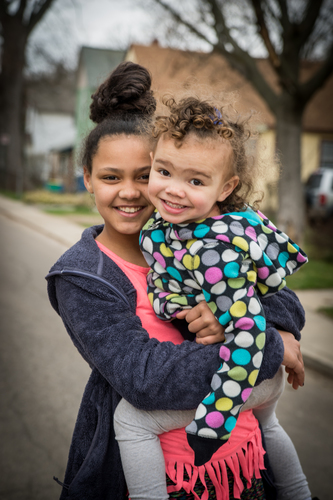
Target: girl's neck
125, 246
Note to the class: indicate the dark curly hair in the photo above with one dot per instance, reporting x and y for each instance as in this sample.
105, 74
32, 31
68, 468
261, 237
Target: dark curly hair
192, 115
123, 104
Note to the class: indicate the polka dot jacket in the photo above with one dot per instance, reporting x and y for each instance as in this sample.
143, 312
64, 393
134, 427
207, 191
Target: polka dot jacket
229, 261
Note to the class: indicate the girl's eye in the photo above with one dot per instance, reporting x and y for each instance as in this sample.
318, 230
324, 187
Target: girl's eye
111, 178
165, 173
196, 182
145, 177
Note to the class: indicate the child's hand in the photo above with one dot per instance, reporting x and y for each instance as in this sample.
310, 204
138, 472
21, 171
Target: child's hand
203, 323
293, 360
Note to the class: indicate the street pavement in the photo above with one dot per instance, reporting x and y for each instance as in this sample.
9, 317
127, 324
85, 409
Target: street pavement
42, 376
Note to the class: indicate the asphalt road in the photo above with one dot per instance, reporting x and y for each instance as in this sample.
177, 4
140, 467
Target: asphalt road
42, 378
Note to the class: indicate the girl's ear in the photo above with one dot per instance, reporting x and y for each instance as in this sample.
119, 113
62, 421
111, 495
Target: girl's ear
228, 187
87, 180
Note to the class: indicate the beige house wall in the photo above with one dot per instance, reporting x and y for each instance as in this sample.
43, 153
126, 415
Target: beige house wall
310, 154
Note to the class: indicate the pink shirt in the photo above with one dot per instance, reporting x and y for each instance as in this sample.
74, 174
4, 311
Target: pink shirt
244, 447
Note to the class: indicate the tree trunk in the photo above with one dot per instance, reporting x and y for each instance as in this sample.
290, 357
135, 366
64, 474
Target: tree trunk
11, 103
291, 213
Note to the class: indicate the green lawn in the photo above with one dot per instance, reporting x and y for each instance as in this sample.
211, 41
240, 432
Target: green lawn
314, 274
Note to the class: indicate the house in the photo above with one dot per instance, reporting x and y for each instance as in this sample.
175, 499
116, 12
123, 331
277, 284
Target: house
172, 70
50, 128
93, 67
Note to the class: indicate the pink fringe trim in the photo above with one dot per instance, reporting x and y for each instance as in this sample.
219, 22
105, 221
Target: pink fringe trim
249, 461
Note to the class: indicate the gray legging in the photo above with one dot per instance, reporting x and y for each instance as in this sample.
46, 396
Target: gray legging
137, 434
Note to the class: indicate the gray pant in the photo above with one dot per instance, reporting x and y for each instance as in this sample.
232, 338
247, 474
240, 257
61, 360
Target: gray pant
143, 461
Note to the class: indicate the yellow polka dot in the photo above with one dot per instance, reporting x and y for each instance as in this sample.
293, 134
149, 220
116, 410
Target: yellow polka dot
236, 282
251, 276
190, 243
213, 307
191, 262
171, 295
167, 252
253, 377
255, 268
263, 288
151, 298
241, 243
260, 340
291, 248
224, 404
238, 309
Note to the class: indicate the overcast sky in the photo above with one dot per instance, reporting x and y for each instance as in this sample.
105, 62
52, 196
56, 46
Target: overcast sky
115, 24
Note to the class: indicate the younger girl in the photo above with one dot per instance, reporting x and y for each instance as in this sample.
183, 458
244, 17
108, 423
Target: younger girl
98, 287
199, 171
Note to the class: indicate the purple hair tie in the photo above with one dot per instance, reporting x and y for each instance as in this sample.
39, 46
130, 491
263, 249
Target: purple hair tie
219, 119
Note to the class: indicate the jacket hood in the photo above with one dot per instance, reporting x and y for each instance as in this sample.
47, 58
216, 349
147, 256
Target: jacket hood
274, 254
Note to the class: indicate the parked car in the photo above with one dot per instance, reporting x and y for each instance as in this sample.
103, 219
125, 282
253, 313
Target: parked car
319, 194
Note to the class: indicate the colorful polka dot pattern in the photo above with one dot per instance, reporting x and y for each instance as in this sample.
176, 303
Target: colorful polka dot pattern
229, 261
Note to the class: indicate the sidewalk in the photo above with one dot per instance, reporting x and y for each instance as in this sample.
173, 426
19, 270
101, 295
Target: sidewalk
317, 336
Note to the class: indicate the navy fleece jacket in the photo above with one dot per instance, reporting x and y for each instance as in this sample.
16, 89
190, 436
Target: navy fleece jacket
97, 302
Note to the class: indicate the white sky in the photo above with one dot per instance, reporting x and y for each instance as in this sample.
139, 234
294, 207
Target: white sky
115, 24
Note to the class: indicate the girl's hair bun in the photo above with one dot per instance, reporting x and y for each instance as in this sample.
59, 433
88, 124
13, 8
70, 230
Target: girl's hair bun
126, 91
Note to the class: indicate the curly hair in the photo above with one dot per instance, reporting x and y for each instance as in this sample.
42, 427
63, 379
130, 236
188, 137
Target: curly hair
204, 119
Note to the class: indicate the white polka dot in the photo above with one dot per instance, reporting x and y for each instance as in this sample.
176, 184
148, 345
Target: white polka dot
254, 306
245, 265
235, 410
192, 284
281, 237
199, 277
239, 294
158, 268
262, 240
192, 427
229, 255
255, 250
195, 247
291, 265
244, 339
273, 280
229, 337
257, 359
148, 245
281, 272
174, 286
149, 258
201, 411
219, 288
220, 227
171, 307
207, 433
178, 265
199, 298
157, 306
225, 368
231, 388
176, 245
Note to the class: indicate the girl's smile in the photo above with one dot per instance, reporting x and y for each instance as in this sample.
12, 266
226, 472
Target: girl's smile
119, 181
186, 183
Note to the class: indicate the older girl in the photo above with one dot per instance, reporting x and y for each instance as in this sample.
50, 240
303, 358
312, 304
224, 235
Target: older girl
99, 289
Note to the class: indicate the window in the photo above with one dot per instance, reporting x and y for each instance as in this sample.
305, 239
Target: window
326, 159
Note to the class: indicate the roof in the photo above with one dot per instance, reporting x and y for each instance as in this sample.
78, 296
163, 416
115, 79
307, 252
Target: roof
97, 64
172, 69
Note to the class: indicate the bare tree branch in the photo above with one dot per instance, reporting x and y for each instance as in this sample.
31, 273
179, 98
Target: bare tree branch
306, 26
274, 58
21, 9
284, 20
38, 13
308, 88
182, 21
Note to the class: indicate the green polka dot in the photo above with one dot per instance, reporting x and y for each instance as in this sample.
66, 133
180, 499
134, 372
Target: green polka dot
237, 373
260, 340
236, 282
213, 307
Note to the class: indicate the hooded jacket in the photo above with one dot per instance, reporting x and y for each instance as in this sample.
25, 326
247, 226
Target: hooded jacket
230, 261
97, 303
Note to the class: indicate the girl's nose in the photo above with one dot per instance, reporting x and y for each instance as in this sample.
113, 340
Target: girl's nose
129, 192
175, 190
